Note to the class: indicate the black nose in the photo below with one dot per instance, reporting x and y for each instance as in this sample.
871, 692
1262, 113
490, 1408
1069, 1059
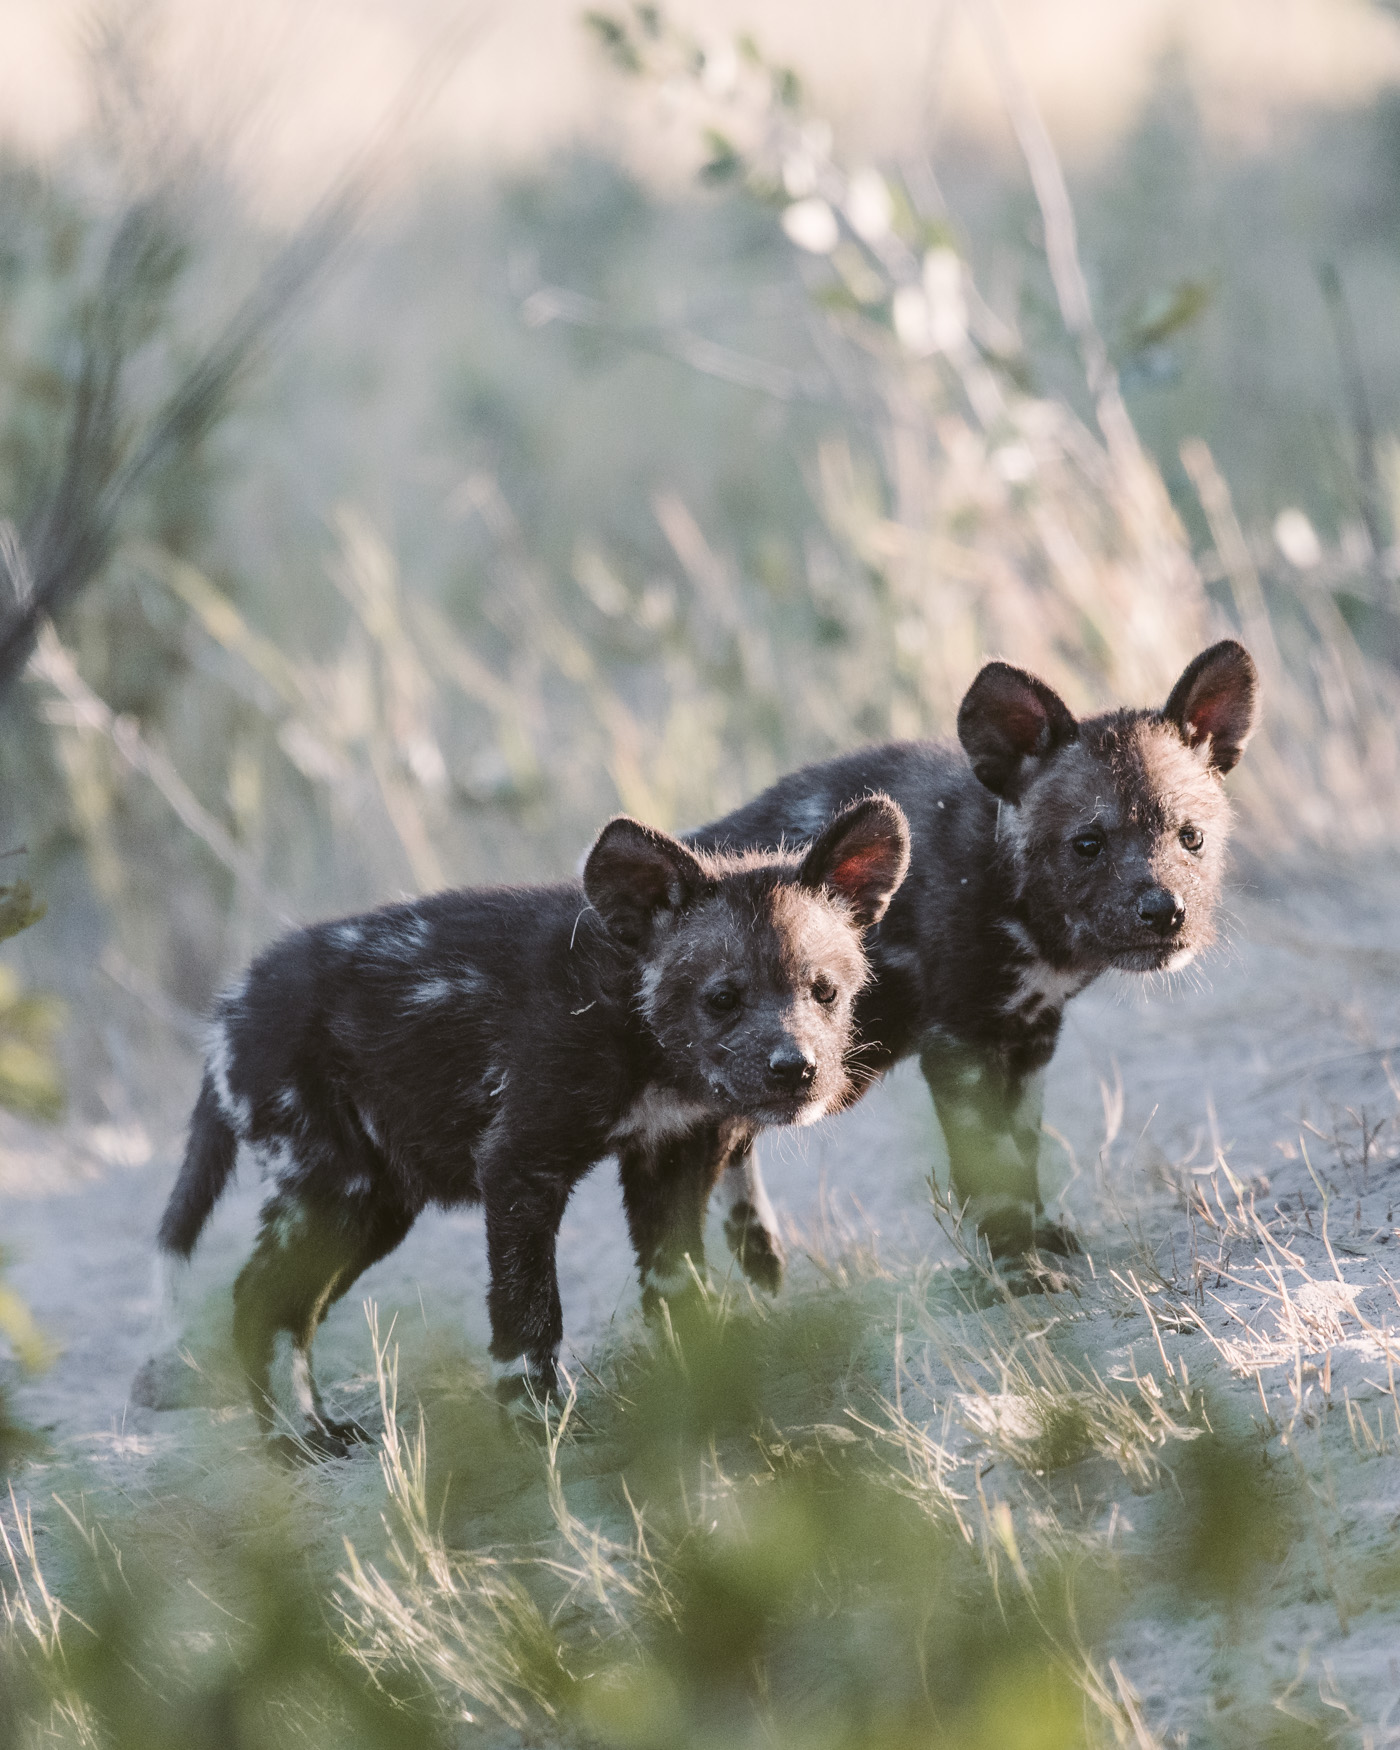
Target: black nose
790, 1067
1161, 910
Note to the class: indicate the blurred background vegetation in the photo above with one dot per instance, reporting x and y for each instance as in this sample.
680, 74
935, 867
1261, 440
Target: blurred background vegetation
430, 524
694, 402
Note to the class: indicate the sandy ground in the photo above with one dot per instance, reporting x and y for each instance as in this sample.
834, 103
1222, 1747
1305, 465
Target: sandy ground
1167, 1111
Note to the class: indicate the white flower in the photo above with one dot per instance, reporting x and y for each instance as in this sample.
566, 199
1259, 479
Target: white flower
1296, 539
812, 226
911, 321
868, 205
943, 287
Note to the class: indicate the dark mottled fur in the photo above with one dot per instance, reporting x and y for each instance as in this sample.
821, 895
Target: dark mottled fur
492, 1044
1044, 852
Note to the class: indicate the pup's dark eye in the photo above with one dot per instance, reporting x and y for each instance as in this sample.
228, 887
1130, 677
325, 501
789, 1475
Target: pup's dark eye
824, 991
1087, 845
722, 1001
1192, 837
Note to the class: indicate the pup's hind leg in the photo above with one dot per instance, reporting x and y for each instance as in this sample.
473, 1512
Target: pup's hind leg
527, 1316
307, 1255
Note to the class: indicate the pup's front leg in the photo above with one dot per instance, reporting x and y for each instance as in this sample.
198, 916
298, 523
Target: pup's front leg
990, 1115
666, 1186
750, 1226
527, 1318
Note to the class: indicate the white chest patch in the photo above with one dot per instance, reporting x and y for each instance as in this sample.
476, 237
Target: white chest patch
657, 1114
1042, 989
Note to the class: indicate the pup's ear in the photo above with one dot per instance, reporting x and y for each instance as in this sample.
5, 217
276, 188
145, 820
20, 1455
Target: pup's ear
1217, 700
1008, 718
863, 855
633, 872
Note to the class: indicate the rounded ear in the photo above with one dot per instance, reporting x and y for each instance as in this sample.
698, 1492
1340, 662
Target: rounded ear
1008, 717
633, 872
1217, 701
863, 855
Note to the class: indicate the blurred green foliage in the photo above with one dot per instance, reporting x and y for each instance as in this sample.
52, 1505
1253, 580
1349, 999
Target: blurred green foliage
31, 1085
30, 1080
751, 1567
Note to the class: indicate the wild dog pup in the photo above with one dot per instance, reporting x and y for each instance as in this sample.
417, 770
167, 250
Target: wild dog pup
491, 1044
1044, 852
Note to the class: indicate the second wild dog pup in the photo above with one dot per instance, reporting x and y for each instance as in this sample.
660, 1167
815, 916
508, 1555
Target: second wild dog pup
1045, 852
491, 1044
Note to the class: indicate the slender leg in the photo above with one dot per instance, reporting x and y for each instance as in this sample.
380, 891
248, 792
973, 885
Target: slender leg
750, 1226
307, 1255
527, 1318
990, 1114
665, 1189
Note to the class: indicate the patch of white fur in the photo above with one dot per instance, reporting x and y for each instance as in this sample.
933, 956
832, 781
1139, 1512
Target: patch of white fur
348, 935
519, 1367
1182, 957
403, 939
430, 991
892, 954
651, 983
1041, 988
288, 1223
304, 1393
1019, 934
287, 1100
1012, 829
367, 1124
220, 1054
291, 1386
657, 1114
808, 819
814, 1113
277, 1160
360, 1185
741, 1182
442, 990
667, 1282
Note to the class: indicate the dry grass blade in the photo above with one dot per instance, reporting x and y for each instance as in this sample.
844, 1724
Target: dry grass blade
72, 534
458, 1618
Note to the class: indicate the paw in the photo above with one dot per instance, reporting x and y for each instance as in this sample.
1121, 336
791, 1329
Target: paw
526, 1391
350, 1432
1054, 1236
673, 1289
1013, 1229
756, 1247
310, 1446
1007, 1226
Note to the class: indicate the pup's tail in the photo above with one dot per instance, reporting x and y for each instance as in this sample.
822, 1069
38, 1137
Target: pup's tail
209, 1158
